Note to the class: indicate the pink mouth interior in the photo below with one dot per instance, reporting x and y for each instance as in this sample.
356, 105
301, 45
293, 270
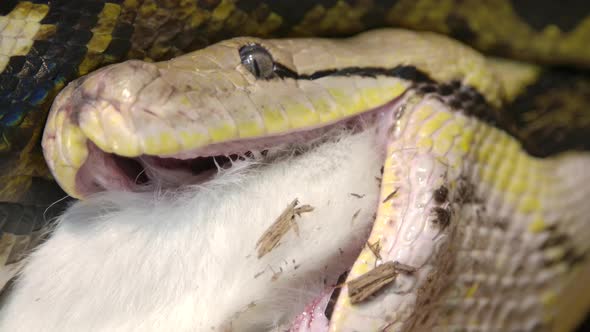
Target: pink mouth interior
105, 171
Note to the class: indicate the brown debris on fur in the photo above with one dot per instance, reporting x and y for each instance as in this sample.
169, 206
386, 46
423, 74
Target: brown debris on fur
375, 249
354, 216
371, 282
271, 237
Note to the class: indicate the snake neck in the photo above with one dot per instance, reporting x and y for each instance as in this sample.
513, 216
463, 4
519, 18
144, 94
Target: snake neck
459, 199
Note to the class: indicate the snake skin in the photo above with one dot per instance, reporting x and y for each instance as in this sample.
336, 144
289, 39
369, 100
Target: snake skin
488, 262
45, 45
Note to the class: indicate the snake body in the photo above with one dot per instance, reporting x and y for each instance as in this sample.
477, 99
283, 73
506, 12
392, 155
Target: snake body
503, 249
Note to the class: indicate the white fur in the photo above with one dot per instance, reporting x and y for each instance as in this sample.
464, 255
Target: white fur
187, 261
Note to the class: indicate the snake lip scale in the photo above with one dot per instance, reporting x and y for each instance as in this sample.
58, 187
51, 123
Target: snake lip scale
457, 187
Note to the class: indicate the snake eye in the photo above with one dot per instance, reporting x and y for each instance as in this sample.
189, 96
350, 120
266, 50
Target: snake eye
257, 60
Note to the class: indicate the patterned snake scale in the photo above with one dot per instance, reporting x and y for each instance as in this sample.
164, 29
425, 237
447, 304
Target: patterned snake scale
478, 194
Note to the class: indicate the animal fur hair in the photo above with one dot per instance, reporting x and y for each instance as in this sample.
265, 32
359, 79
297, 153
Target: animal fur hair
186, 260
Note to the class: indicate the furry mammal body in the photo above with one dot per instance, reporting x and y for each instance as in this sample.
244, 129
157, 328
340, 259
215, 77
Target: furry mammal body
187, 261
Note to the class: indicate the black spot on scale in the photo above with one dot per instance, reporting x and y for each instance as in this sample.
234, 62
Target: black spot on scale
208, 4
376, 16
39, 48
442, 216
550, 116
427, 88
440, 195
445, 89
117, 49
7, 6
8, 83
555, 239
558, 239
123, 30
291, 12
460, 28
460, 97
86, 22
571, 257
541, 13
15, 65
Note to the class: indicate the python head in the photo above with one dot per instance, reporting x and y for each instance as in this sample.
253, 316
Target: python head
462, 205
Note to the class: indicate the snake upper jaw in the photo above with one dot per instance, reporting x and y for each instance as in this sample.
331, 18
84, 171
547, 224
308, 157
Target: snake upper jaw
88, 146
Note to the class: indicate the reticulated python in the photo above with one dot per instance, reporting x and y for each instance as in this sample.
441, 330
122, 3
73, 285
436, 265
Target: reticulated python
461, 190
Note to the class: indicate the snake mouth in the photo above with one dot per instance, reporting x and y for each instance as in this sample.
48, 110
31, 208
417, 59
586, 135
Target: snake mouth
111, 172
87, 150
104, 171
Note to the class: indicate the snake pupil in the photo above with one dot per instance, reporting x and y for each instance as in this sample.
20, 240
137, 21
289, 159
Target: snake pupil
258, 61
256, 68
